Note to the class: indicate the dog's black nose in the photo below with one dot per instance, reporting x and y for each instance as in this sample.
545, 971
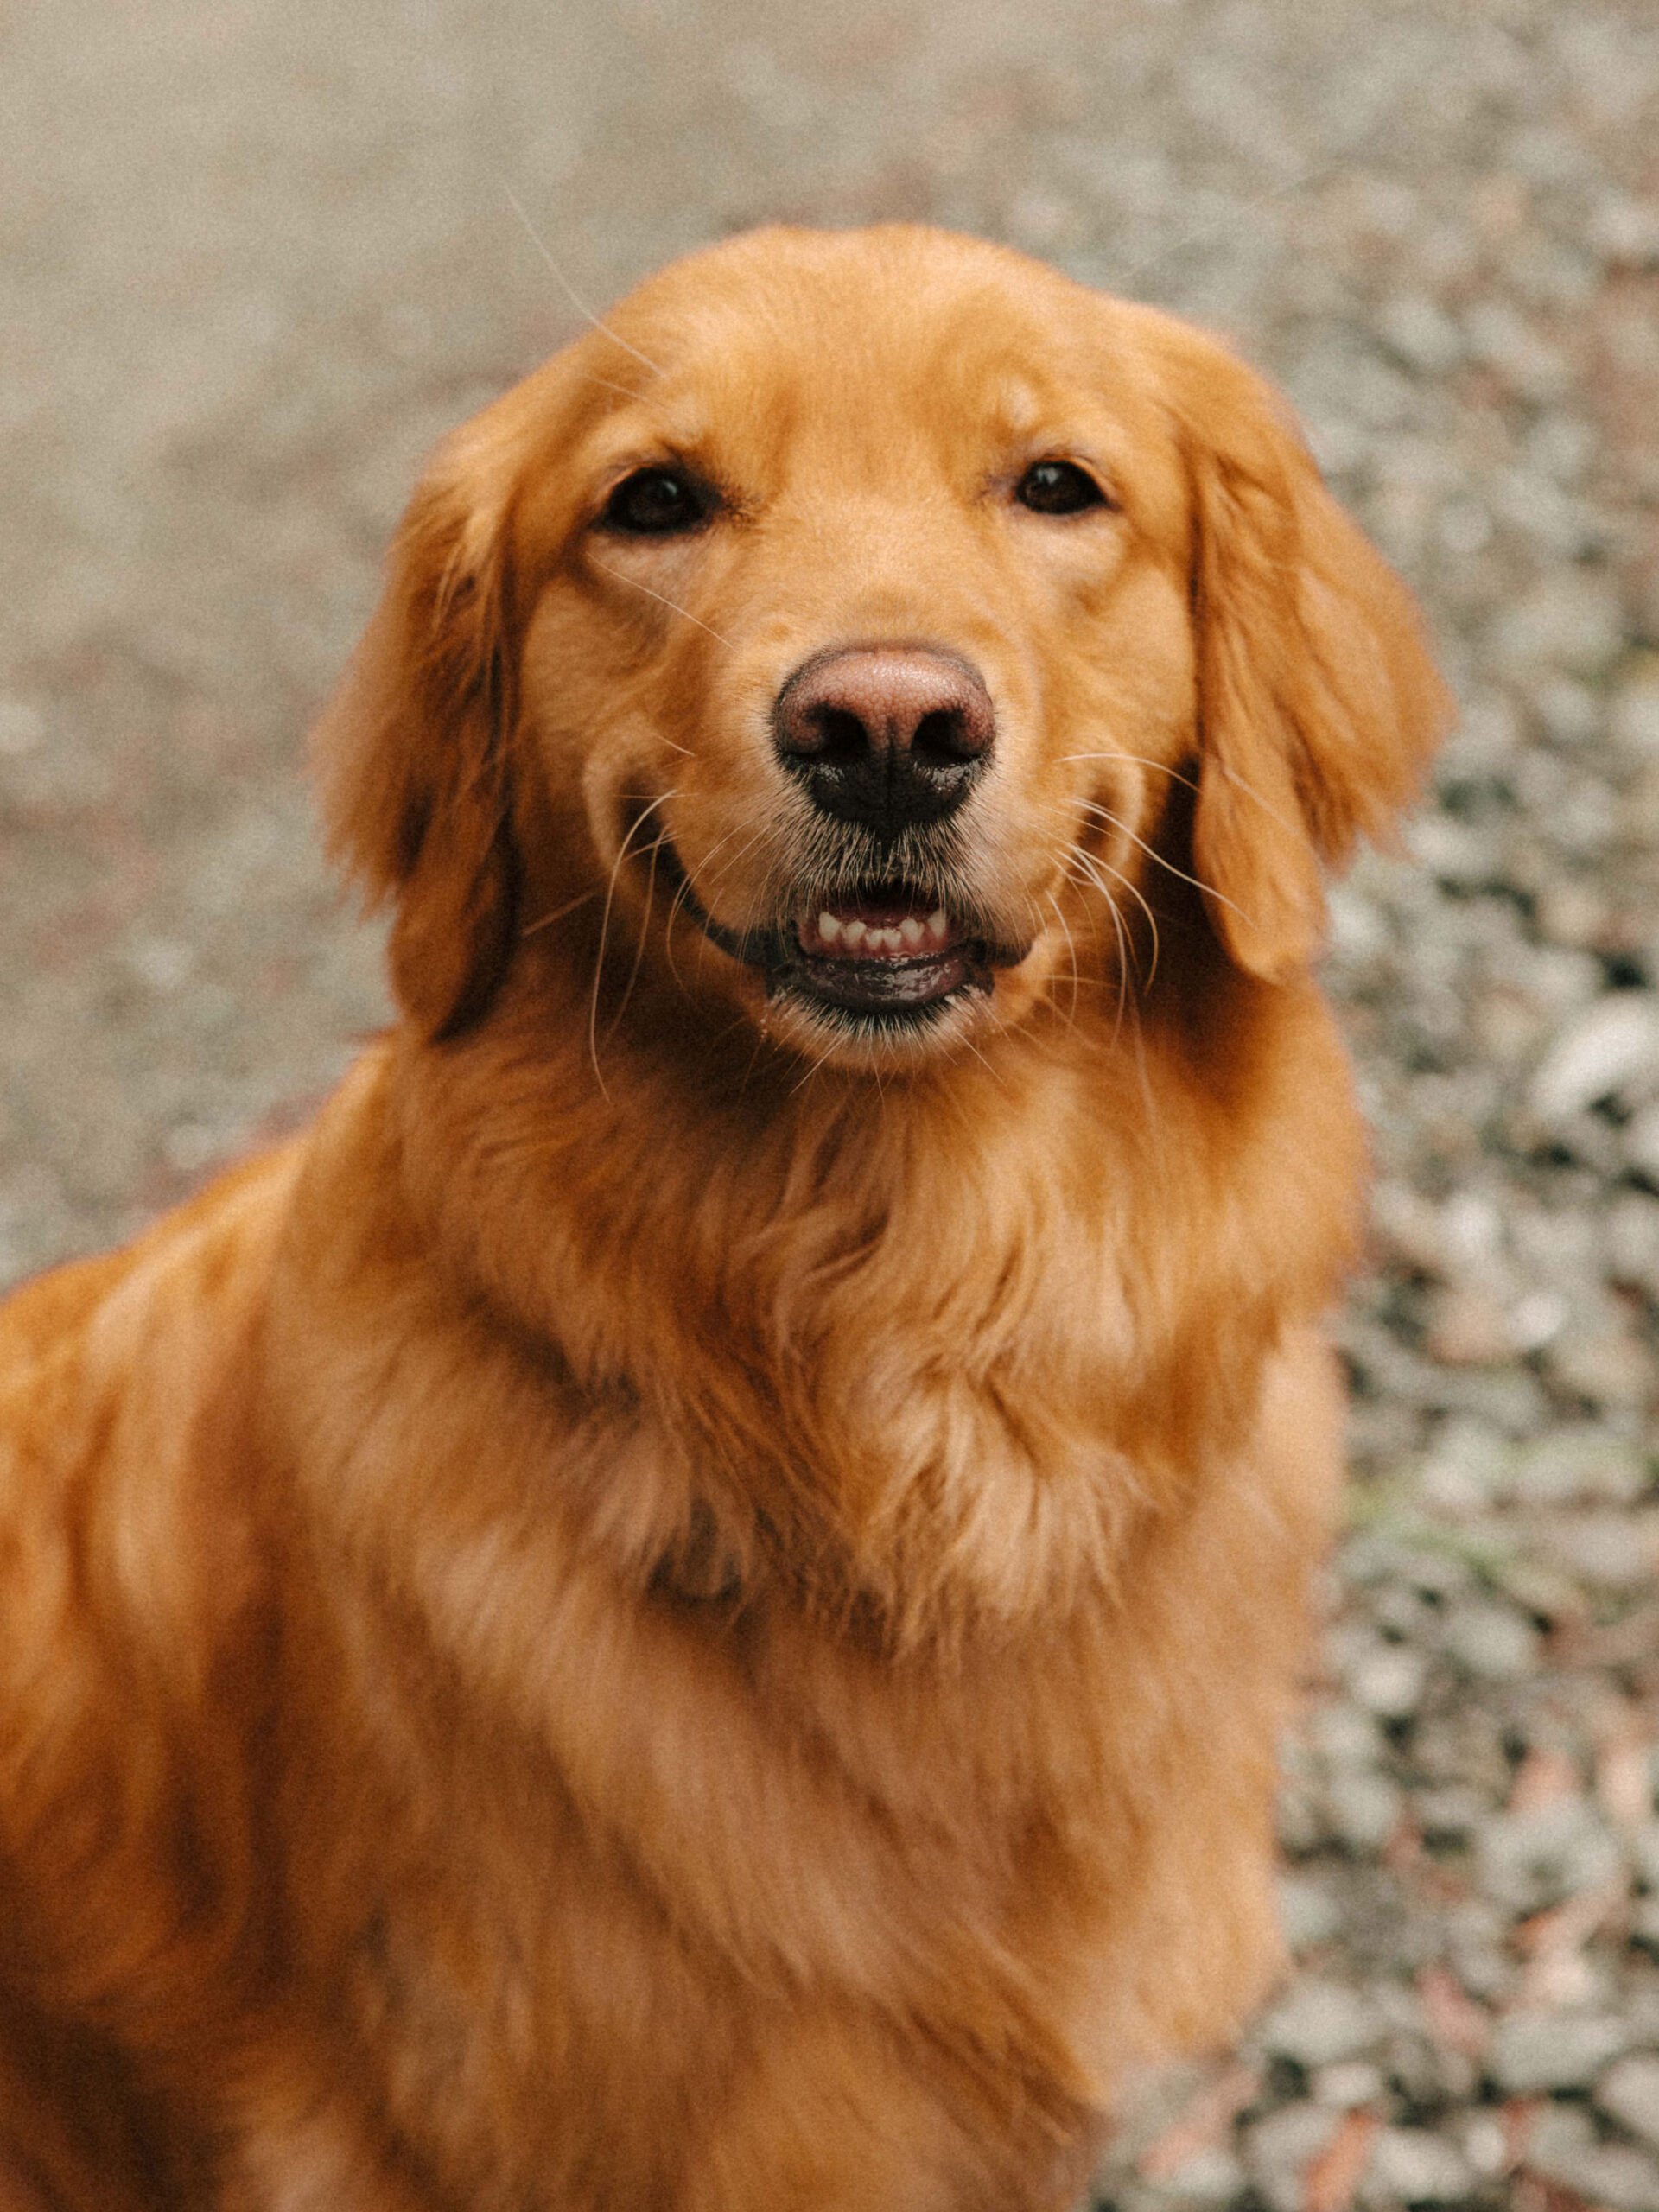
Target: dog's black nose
890, 736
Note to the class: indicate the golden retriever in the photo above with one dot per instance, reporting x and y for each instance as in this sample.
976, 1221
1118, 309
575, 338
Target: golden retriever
685, 1602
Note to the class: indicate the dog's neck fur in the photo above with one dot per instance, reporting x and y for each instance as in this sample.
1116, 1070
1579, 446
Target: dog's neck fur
814, 1314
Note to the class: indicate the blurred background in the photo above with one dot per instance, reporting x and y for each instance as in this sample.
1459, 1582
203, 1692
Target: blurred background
257, 255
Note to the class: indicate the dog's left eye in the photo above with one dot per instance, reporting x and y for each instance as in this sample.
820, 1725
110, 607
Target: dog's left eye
1059, 487
656, 503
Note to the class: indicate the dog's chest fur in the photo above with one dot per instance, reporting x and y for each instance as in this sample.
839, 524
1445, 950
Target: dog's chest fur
771, 1784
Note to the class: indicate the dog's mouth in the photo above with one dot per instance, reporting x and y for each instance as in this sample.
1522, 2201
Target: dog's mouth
887, 949
886, 955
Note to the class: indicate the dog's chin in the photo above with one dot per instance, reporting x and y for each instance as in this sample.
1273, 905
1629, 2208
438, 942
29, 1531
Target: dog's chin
877, 976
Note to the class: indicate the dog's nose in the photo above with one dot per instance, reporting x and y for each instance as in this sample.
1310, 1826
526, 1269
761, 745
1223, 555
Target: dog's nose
890, 736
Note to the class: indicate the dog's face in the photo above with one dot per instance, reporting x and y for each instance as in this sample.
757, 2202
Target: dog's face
873, 611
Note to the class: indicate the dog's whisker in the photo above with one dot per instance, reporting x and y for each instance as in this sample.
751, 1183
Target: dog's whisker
1117, 821
1236, 214
1292, 829
1093, 863
663, 600
1071, 954
1138, 759
622, 391
637, 825
655, 850
566, 286
546, 921
1125, 956
1092, 867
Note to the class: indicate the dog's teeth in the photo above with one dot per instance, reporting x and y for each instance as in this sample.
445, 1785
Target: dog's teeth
939, 922
912, 929
854, 931
828, 928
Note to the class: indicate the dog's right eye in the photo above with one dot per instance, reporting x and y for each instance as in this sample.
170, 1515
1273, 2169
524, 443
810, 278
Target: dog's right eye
657, 503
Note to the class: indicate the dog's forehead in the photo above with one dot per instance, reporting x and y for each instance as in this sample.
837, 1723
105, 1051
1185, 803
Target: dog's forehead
877, 341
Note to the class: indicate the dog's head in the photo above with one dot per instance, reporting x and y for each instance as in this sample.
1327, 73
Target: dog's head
870, 626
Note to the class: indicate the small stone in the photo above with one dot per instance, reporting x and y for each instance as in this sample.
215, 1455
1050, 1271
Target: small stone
1486, 2146
1363, 1808
1319, 2022
1641, 1142
1471, 1328
1573, 621
1644, 1852
1564, 2147
1308, 1912
1633, 715
1553, 2050
1611, 1045
22, 727
1534, 1859
1625, 232
1561, 2139
1610, 1364
1209, 2177
1345, 1735
1348, 2082
1491, 1641
1389, 1680
1572, 913
1279, 2150
1415, 2165
1498, 336
1633, 1227
1421, 332
1583, 1461
1569, 713
1464, 1467
1629, 2090
1616, 1551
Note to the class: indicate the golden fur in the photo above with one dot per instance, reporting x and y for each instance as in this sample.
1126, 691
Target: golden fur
685, 1602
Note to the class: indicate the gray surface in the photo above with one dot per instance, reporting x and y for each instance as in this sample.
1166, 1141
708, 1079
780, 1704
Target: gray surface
254, 258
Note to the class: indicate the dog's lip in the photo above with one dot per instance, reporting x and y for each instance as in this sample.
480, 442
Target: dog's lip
854, 950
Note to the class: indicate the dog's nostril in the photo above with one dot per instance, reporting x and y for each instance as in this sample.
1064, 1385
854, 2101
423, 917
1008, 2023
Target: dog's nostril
944, 736
841, 737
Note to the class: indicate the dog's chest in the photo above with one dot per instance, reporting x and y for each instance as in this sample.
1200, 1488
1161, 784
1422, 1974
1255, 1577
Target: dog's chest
648, 1914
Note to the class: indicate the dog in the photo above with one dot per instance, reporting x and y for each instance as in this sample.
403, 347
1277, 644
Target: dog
684, 1604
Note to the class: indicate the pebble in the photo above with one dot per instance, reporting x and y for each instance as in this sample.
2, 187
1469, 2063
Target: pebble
1612, 1045
1629, 2090
1532, 1859
1321, 2021
1492, 1641
1279, 2150
1388, 1681
1415, 2165
1563, 2146
1553, 2050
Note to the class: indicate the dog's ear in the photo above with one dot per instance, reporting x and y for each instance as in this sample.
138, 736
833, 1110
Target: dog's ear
414, 753
1318, 706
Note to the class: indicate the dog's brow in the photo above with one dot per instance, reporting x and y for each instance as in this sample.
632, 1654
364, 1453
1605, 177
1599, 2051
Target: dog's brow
1018, 405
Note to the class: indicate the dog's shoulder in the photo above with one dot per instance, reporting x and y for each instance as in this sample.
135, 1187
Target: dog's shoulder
128, 1549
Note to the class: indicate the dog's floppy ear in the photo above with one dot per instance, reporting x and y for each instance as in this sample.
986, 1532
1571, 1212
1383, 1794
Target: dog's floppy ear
1318, 706
414, 752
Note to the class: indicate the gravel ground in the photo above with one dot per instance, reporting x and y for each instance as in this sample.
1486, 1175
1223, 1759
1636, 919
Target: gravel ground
252, 263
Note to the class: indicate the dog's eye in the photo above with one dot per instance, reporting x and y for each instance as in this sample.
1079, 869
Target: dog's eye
1059, 487
656, 503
